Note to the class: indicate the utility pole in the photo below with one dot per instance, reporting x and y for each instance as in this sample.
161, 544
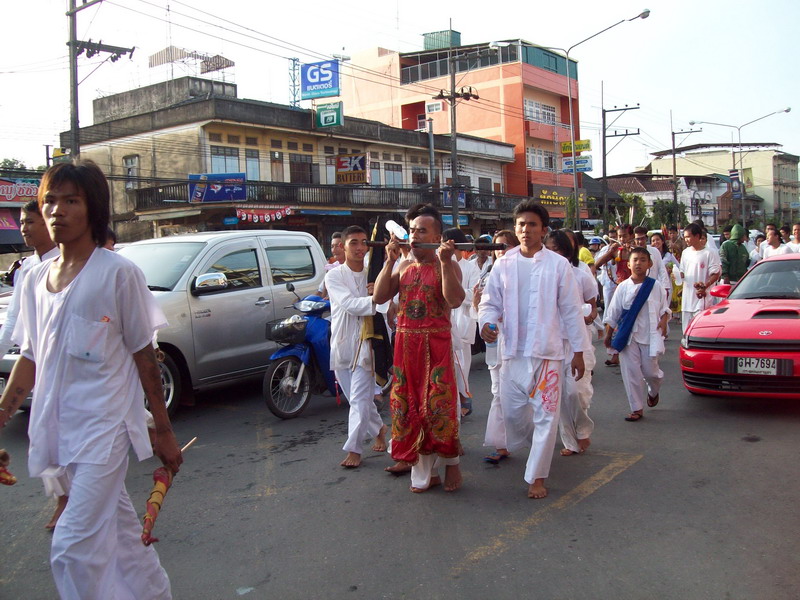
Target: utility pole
76, 47
294, 82
606, 152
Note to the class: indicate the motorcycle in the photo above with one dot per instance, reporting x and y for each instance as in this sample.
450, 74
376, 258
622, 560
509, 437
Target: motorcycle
302, 365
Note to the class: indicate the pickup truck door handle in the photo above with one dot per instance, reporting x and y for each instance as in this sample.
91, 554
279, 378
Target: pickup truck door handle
262, 301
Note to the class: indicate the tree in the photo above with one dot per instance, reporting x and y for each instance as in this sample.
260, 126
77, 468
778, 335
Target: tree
639, 210
12, 163
664, 214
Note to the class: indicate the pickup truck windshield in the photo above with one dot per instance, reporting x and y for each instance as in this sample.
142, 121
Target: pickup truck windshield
162, 264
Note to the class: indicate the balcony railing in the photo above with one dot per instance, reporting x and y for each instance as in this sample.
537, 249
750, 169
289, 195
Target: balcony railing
174, 195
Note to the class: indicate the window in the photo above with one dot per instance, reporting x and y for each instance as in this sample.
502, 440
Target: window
300, 168
432, 107
394, 175
355, 151
291, 145
540, 160
131, 166
398, 158
252, 165
419, 175
224, 159
241, 269
290, 264
276, 166
234, 139
215, 137
374, 155
422, 123
341, 150
541, 113
414, 159
308, 147
251, 141
330, 170
374, 173
386, 156
275, 144
329, 150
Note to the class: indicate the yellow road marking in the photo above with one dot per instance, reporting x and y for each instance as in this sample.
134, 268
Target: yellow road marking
517, 531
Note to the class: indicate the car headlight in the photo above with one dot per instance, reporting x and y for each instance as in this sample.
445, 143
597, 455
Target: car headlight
685, 341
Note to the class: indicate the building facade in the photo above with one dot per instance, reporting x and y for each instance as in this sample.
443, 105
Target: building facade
512, 91
150, 140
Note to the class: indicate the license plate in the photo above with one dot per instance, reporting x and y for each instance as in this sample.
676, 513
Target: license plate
757, 366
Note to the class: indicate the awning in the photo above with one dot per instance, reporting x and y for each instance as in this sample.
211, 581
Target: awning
160, 216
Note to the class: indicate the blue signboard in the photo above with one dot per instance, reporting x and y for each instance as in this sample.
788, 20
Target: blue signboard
319, 80
217, 187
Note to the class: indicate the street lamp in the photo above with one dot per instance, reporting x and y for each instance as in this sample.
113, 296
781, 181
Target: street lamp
738, 129
642, 15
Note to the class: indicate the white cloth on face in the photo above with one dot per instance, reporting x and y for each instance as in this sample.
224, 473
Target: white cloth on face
12, 312
350, 303
658, 271
770, 251
641, 374
645, 328
531, 419
97, 551
697, 266
553, 295
82, 340
364, 421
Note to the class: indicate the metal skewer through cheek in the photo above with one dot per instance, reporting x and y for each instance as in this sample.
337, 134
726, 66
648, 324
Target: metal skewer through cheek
433, 246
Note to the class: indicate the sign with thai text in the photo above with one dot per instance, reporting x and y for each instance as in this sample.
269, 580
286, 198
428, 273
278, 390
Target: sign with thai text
319, 80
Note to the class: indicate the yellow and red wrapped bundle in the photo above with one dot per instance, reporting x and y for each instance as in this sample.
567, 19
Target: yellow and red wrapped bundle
162, 479
6, 478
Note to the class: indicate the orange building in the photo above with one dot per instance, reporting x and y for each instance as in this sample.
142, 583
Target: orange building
511, 91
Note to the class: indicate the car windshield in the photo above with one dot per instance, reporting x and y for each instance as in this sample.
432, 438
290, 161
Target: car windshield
162, 264
770, 279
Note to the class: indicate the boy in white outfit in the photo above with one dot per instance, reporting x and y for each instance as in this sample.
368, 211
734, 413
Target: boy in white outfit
351, 356
641, 374
530, 291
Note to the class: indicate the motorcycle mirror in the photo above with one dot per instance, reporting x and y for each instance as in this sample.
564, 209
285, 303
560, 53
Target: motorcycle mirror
290, 288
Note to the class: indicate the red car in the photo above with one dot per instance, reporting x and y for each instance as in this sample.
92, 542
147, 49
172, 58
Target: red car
748, 345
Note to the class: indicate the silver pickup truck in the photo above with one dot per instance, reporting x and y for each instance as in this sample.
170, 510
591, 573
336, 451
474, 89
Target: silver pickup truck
219, 290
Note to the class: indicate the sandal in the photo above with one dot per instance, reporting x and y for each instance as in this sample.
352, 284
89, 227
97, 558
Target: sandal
466, 404
634, 416
612, 363
652, 400
494, 458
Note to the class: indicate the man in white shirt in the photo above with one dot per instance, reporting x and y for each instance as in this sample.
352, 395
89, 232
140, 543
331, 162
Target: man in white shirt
773, 246
530, 291
351, 356
700, 269
87, 322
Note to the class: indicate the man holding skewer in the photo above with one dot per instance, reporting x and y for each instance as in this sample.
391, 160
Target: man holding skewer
88, 321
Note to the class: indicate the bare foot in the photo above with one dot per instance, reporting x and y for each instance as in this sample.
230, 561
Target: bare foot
399, 468
380, 440
60, 506
452, 478
351, 461
567, 452
584, 445
537, 490
435, 480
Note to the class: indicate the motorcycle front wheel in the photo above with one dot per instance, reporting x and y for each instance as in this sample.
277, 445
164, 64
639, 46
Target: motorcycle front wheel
279, 387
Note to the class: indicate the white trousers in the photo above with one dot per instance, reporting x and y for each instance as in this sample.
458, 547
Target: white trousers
530, 389
97, 551
462, 357
576, 398
495, 425
686, 317
364, 422
427, 468
641, 374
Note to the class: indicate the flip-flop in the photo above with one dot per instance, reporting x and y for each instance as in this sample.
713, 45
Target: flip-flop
611, 363
494, 458
652, 400
468, 405
634, 416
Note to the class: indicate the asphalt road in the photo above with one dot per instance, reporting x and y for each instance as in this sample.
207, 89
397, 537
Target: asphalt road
697, 500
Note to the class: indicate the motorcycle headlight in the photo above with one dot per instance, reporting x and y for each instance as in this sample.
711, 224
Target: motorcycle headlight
309, 305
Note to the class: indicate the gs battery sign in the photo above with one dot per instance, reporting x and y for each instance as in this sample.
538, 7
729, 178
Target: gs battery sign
352, 168
319, 80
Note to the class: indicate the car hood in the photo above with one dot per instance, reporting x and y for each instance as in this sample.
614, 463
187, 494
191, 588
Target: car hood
742, 319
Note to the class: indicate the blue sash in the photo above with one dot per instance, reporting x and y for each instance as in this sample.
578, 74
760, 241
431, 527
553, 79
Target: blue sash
628, 317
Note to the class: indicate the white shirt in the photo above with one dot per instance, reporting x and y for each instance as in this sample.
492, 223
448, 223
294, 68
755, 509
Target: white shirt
350, 303
82, 340
645, 329
553, 295
587, 291
7, 332
463, 318
795, 246
770, 251
696, 266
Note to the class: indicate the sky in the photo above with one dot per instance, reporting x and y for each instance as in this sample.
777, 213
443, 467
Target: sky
726, 61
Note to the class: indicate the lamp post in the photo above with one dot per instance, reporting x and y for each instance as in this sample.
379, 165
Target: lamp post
642, 15
738, 129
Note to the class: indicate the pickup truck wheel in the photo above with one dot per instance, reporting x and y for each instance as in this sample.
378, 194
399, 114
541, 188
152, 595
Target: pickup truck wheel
279, 387
171, 382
